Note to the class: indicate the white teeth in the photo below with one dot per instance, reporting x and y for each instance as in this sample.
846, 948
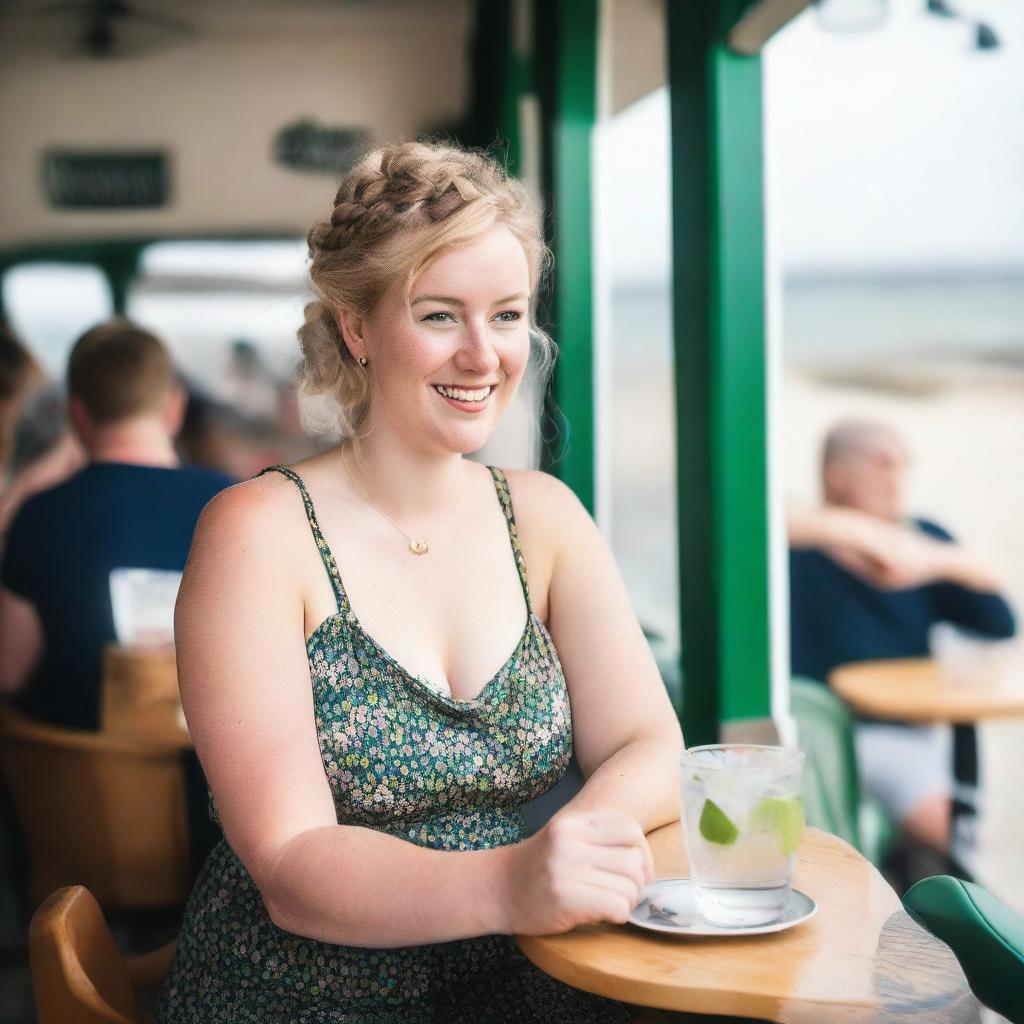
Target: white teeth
461, 394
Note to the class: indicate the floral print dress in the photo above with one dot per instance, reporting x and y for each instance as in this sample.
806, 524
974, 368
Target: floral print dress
437, 771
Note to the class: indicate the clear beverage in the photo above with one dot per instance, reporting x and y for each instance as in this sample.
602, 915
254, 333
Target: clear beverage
743, 819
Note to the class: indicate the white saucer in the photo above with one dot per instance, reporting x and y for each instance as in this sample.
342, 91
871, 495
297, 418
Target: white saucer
670, 906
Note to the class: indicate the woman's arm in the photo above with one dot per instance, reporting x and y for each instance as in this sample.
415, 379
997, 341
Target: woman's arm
246, 690
626, 734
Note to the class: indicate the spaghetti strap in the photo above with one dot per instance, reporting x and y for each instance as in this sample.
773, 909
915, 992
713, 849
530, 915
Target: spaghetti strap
321, 542
505, 499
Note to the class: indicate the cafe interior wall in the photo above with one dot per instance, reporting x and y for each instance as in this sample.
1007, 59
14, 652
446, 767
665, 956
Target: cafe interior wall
213, 100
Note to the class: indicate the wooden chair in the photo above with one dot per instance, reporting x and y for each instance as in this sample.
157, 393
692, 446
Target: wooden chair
79, 976
104, 811
140, 693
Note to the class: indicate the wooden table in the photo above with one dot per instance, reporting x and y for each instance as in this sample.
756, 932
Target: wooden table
861, 958
920, 690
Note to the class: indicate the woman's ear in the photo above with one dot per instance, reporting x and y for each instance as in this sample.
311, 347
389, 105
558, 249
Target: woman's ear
352, 328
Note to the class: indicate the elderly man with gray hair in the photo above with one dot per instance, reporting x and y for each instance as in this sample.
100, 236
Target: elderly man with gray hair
869, 582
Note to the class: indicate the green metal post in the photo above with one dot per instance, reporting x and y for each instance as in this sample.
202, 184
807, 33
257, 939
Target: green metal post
515, 85
566, 60
494, 72
120, 265
718, 277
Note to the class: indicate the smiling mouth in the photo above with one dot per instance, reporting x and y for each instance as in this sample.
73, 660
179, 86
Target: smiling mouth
464, 394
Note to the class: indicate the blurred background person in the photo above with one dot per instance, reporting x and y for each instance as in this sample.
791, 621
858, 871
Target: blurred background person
133, 505
19, 376
869, 582
37, 450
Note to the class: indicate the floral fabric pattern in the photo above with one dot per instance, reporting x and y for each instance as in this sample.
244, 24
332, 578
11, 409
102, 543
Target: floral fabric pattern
437, 771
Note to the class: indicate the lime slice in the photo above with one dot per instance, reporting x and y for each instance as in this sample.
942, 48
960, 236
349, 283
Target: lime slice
716, 826
783, 817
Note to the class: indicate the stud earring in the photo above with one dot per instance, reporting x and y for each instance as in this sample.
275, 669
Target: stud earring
363, 360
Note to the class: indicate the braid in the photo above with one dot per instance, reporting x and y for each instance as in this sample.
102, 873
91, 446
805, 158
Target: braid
401, 182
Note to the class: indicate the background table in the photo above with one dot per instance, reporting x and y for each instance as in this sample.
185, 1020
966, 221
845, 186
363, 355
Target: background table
861, 958
920, 690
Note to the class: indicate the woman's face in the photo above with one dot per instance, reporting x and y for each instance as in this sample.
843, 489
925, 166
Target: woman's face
463, 326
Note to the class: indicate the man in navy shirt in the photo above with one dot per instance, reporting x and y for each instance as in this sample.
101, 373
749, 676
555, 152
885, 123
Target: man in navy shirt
868, 583
132, 506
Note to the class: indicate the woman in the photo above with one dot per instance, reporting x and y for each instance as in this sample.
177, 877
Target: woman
368, 781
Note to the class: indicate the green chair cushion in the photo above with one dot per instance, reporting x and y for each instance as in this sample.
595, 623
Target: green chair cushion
832, 790
984, 934
877, 833
831, 786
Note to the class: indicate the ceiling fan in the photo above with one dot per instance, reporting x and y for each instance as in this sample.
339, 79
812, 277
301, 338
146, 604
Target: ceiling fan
109, 29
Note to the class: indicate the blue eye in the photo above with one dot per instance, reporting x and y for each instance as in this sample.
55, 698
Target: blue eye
436, 317
512, 315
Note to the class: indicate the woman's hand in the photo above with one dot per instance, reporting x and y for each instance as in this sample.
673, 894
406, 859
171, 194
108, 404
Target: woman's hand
582, 867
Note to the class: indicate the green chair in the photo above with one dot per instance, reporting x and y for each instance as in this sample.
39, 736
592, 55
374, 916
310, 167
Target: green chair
832, 793
985, 936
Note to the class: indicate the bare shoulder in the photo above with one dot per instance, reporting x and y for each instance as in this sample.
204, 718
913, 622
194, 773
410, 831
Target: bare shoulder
251, 507
256, 520
544, 498
549, 515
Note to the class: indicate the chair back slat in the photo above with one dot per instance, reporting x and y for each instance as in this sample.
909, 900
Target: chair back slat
99, 811
140, 690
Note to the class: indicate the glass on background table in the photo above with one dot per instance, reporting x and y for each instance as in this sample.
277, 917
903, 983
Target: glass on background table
860, 958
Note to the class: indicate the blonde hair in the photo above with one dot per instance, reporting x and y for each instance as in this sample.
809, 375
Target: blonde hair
400, 207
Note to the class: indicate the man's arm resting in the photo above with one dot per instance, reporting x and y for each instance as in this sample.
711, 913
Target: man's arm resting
21, 641
959, 566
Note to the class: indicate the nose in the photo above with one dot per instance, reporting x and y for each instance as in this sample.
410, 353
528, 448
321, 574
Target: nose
477, 353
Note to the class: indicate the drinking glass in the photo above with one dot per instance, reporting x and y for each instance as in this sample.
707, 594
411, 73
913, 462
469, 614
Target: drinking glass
743, 818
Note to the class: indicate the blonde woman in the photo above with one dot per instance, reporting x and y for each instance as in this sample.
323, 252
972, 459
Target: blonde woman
386, 650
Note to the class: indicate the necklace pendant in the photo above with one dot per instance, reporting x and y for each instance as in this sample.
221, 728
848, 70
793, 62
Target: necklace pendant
418, 547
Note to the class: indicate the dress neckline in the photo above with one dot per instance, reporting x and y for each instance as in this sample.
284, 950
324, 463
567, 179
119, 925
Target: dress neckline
420, 682
346, 612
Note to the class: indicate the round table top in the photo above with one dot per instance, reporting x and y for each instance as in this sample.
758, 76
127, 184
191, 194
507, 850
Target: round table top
919, 690
860, 958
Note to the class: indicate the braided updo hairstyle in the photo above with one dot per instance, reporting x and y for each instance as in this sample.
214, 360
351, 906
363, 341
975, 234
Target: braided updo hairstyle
397, 209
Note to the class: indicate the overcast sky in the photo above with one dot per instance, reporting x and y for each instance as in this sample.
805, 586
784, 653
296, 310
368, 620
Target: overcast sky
900, 148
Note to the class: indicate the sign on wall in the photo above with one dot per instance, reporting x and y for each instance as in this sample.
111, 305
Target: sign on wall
106, 181
310, 146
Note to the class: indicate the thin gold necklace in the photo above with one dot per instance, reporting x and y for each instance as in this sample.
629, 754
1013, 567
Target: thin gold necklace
417, 547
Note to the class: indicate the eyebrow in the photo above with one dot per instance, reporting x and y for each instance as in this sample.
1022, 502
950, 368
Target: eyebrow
451, 300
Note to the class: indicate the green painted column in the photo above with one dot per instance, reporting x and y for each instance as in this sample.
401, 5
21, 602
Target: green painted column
499, 73
565, 57
120, 265
516, 83
718, 280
